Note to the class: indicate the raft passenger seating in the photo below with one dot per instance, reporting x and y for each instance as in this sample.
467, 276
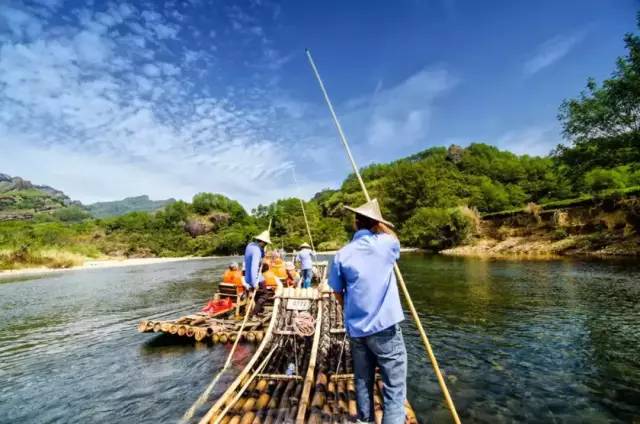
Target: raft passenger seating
228, 290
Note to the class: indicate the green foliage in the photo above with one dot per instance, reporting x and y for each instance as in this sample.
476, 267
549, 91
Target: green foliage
130, 204
203, 203
599, 179
603, 124
436, 228
71, 214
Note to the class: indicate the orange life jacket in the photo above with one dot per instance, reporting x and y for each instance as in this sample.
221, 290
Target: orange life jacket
234, 277
279, 269
270, 279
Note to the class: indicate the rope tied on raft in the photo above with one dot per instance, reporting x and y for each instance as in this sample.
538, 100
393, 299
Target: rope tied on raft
304, 324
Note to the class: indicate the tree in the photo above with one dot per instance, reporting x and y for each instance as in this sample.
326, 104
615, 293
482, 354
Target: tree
603, 124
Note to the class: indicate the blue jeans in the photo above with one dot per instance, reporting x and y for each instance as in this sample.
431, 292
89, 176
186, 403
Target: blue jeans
386, 350
307, 275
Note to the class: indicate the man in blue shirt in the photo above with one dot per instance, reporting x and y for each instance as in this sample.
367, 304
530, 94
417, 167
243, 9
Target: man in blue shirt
305, 257
363, 278
253, 255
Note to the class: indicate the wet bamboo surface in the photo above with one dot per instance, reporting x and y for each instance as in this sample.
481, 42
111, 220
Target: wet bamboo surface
204, 328
320, 390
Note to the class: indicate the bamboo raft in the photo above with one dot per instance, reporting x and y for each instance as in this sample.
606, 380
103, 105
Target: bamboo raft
223, 326
301, 372
202, 328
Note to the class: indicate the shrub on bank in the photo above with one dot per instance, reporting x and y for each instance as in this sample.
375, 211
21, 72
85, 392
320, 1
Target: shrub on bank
436, 228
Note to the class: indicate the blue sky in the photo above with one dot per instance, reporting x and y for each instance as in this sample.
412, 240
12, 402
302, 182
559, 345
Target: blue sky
111, 99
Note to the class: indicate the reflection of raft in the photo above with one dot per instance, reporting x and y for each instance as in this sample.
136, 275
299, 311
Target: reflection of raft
317, 388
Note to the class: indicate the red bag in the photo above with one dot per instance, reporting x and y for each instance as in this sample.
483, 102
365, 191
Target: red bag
220, 305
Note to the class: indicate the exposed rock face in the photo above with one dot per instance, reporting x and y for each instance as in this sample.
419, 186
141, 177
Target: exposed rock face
20, 199
9, 183
454, 153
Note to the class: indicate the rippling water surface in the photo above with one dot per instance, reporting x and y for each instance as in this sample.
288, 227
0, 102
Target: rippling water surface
519, 341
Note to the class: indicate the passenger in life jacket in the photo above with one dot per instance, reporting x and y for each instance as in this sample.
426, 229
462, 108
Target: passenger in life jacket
271, 281
293, 278
278, 266
265, 290
233, 275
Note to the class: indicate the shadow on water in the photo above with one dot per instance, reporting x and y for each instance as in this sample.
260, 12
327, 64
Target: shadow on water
553, 341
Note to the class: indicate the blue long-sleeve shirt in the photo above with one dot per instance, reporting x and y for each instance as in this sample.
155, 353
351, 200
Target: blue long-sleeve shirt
252, 261
363, 272
305, 256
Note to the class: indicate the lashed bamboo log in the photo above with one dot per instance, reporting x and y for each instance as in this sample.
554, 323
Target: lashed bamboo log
182, 330
173, 329
248, 417
142, 326
216, 406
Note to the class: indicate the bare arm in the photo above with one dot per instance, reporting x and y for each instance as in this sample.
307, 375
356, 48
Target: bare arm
339, 298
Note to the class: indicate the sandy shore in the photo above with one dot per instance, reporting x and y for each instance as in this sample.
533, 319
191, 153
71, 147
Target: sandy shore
97, 264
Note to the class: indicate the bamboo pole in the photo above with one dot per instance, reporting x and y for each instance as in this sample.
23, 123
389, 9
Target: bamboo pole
309, 379
396, 268
205, 395
304, 213
220, 402
246, 384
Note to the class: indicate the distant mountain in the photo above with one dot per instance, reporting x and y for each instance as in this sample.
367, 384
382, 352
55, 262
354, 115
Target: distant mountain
21, 199
130, 204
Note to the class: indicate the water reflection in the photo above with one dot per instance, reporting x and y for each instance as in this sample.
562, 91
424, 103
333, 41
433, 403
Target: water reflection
518, 339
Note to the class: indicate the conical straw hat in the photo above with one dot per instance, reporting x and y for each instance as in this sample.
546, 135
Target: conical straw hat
264, 236
371, 210
303, 245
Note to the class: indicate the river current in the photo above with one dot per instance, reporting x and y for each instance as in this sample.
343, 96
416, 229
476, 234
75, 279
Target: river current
547, 341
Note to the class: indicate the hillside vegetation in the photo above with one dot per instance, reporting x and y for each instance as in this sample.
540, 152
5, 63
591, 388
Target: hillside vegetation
126, 205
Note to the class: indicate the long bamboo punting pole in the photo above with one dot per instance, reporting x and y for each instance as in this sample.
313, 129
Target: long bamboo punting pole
309, 379
220, 402
246, 384
205, 395
304, 213
403, 286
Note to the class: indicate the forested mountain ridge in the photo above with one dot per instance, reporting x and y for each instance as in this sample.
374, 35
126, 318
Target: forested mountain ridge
21, 199
126, 205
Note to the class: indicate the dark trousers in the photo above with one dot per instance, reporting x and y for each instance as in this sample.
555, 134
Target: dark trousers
262, 295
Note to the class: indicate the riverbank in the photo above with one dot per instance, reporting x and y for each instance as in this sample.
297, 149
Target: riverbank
545, 247
608, 228
96, 264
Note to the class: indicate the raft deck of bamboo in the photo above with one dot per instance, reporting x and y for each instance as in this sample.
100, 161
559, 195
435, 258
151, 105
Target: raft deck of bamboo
221, 327
294, 376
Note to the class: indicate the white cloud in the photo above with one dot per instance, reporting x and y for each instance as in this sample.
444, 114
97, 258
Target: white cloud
552, 51
537, 140
98, 117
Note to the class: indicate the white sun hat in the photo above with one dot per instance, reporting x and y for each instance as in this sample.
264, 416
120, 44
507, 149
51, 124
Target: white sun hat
371, 210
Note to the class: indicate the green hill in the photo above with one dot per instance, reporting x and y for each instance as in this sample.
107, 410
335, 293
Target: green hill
20, 199
129, 204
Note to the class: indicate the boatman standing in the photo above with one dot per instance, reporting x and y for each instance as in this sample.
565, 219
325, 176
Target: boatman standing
253, 255
363, 278
305, 257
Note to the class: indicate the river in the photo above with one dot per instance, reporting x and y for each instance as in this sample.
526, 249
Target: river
548, 341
